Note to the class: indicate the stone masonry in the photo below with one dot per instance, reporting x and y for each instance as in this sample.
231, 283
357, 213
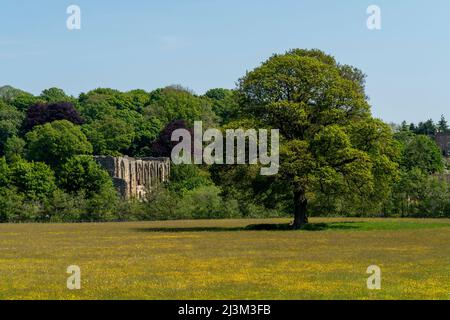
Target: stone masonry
134, 177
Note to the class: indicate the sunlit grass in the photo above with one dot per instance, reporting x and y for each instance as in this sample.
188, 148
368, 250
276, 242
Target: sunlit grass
227, 259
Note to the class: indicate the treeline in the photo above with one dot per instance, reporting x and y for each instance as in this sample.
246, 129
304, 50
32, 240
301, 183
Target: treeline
421, 187
335, 158
428, 127
47, 172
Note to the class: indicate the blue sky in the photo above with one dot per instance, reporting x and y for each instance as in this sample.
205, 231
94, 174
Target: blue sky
205, 44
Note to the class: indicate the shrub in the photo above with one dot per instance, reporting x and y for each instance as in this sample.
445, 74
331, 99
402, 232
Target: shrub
161, 204
100, 207
63, 207
187, 177
131, 210
203, 202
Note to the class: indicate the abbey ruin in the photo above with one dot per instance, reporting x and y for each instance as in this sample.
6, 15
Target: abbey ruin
134, 177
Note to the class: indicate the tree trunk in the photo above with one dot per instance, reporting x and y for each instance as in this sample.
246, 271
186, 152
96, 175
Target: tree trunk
300, 209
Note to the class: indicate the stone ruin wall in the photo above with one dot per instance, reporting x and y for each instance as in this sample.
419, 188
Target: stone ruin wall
134, 177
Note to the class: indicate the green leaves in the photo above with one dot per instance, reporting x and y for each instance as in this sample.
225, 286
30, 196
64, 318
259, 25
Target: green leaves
54, 95
330, 142
423, 153
10, 122
224, 104
82, 173
56, 142
175, 103
35, 180
109, 136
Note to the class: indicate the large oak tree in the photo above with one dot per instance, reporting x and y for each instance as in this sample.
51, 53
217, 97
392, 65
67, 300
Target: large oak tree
329, 140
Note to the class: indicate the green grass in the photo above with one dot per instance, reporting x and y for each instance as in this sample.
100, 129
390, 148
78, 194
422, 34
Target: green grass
227, 259
375, 225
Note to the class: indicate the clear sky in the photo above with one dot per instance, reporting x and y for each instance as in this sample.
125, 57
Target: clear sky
204, 44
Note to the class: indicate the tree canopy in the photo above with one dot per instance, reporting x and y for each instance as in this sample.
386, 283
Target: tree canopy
42, 113
56, 142
421, 152
328, 135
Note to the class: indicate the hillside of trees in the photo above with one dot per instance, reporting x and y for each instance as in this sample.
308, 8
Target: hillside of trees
336, 159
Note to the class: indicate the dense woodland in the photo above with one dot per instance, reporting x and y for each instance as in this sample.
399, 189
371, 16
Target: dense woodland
336, 159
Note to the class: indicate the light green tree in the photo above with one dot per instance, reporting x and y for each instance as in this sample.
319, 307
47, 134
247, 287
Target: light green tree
53, 95
328, 136
35, 180
56, 142
176, 103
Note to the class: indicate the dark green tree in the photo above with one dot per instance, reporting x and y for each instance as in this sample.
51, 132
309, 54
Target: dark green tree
404, 126
109, 135
426, 128
224, 104
421, 152
14, 149
443, 125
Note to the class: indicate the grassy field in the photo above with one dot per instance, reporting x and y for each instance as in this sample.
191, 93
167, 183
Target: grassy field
227, 259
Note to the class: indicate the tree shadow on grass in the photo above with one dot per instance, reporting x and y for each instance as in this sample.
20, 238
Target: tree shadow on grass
347, 225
